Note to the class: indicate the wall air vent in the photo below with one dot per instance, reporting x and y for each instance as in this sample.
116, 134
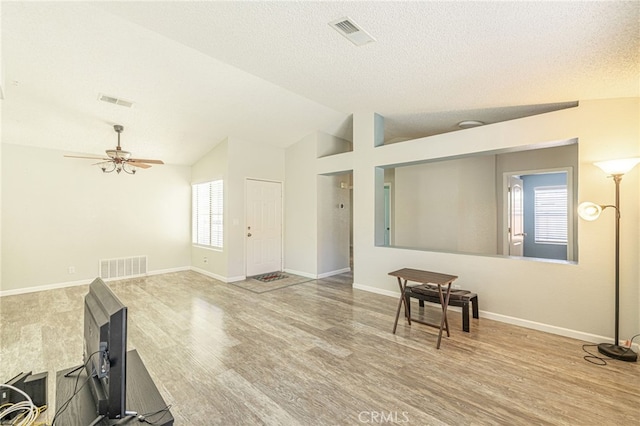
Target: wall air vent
124, 267
114, 100
351, 31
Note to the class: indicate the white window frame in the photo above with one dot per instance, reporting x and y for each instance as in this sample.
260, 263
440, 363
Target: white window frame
550, 208
207, 214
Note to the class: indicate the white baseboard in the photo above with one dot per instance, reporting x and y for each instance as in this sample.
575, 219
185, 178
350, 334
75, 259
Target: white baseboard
318, 276
302, 274
87, 281
566, 332
216, 276
394, 294
45, 287
235, 279
209, 274
331, 273
169, 271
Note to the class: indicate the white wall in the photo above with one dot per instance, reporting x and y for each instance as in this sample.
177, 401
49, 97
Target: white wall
334, 224
235, 161
447, 205
213, 166
247, 161
300, 208
563, 298
60, 212
330, 145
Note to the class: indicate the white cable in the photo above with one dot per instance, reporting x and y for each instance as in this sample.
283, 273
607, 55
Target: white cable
32, 411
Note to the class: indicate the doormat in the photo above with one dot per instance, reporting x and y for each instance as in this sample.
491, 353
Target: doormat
277, 282
272, 276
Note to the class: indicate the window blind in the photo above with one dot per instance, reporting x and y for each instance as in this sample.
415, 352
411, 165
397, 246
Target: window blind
207, 214
550, 214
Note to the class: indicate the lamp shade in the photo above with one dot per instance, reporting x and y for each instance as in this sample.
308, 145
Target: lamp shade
589, 211
618, 167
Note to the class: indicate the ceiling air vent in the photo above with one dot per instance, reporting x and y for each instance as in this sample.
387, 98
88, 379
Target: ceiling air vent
351, 31
114, 100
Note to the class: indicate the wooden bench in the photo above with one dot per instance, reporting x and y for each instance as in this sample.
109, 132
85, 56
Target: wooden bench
459, 298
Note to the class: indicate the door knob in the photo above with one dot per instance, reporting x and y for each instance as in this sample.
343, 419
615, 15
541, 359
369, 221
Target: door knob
249, 234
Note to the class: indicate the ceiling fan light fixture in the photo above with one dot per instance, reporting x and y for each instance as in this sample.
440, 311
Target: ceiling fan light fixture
118, 154
107, 166
467, 124
120, 160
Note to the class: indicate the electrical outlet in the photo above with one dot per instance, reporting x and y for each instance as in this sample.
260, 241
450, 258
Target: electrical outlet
72, 269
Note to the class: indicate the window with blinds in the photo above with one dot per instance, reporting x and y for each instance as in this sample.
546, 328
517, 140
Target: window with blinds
550, 214
207, 212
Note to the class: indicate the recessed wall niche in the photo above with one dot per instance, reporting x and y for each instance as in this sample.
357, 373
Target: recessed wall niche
338, 142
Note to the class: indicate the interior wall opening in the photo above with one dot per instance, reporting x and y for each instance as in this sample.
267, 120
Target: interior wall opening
460, 204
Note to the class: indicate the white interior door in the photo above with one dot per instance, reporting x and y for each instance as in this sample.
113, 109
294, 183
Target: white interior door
516, 217
264, 227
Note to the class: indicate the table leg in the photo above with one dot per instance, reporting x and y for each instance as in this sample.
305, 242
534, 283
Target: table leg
444, 322
400, 302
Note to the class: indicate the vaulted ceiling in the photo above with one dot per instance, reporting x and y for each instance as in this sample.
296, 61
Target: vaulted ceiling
274, 72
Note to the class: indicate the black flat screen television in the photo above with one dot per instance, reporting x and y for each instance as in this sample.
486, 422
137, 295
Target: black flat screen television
105, 349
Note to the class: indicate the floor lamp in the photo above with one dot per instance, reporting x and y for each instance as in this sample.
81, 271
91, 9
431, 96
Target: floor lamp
591, 211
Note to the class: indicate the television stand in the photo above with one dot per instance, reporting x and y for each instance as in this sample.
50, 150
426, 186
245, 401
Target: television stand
142, 396
97, 420
73, 370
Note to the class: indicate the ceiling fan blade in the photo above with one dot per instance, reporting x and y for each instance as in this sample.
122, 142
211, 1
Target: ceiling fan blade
140, 160
138, 164
88, 158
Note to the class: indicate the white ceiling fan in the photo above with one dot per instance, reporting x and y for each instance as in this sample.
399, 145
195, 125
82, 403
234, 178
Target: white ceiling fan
119, 160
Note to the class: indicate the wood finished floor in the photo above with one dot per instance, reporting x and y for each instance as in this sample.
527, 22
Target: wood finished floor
322, 353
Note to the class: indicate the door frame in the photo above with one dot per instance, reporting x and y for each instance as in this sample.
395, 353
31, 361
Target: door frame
246, 211
388, 208
511, 180
570, 206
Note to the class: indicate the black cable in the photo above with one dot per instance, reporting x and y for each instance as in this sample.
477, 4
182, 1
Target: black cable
598, 360
65, 405
591, 357
145, 417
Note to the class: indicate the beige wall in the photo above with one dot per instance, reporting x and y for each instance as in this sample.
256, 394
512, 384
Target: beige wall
85, 215
300, 208
213, 166
234, 160
334, 223
247, 160
317, 231
60, 212
571, 299
447, 205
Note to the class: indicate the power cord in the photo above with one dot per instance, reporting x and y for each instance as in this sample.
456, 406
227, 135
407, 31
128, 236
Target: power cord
598, 360
76, 390
144, 418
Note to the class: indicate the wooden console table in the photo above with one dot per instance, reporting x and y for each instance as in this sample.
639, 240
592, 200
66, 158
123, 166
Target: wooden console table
425, 277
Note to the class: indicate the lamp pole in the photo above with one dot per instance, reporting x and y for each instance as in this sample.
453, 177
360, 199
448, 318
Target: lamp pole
615, 350
617, 179
590, 211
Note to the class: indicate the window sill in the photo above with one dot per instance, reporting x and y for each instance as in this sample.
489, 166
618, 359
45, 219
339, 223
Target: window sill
210, 248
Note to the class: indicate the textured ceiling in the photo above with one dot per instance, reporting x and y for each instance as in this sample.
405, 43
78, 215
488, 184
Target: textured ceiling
273, 72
